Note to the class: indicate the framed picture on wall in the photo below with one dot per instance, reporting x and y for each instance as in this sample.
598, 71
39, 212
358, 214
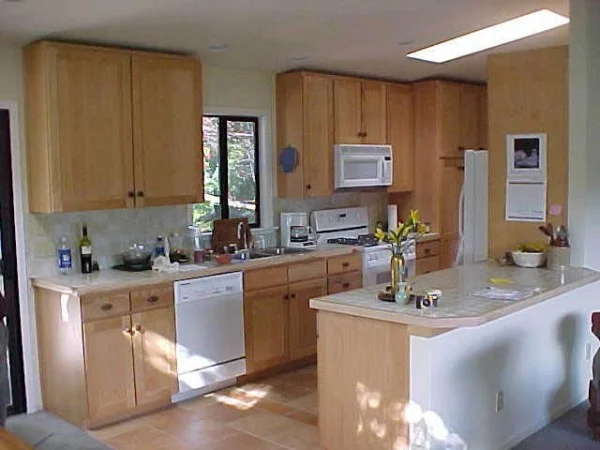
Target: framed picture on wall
526, 157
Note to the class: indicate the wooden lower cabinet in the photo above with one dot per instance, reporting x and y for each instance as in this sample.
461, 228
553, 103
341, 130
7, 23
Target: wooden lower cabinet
266, 327
428, 265
105, 357
154, 360
109, 367
303, 319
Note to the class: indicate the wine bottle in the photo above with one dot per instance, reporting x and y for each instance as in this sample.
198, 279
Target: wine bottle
85, 251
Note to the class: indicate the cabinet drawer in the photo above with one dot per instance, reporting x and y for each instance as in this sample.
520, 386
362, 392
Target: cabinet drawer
267, 277
426, 249
156, 297
344, 282
427, 265
342, 264
101, 306
307, 270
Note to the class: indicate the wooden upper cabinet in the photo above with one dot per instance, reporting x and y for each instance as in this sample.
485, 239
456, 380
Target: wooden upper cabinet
347, 95
318, 135
401, 135
303, 319
154, 355
483, 117
167, 130
109, 367
469, 116
93, 111
449, 119
305, 122
373, 110
360, 111
78, 111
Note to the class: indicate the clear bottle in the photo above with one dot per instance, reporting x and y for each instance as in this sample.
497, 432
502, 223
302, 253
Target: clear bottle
64, 256
85, 251
159, 247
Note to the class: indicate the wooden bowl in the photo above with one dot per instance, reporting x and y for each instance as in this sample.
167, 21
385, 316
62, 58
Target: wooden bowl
224, 258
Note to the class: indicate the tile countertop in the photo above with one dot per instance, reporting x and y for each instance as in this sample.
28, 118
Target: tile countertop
110, 279
458, 307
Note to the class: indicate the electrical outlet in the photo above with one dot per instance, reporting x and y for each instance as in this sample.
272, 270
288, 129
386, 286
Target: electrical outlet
499, 400
588, 351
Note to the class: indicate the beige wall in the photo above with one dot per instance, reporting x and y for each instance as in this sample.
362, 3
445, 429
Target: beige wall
527, 93
229, 88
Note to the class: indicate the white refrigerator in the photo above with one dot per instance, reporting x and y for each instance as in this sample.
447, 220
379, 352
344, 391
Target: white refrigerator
473, 210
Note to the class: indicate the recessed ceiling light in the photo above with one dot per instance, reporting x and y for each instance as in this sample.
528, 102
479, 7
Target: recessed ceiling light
492, 36
406, 42
218, 47
299, 58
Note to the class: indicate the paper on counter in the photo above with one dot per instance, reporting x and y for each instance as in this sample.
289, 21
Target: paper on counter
190, 267
495, 293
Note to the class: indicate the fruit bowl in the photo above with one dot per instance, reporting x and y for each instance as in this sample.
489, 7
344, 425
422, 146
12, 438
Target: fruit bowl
529, 259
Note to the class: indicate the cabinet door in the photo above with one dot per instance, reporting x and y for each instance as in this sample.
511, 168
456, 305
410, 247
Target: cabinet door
91, 128
449, 119
401, 136
109, 367
347, 111
303, 319
451, 181
266, 327
428, 265
373, 110
448, 249
318, 136
483, 117
167, 130
469, 116
154, 355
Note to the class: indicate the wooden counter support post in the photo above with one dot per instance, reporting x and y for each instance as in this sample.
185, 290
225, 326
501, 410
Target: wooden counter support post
363, 382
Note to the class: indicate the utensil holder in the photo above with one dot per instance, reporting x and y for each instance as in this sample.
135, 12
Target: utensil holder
558, 257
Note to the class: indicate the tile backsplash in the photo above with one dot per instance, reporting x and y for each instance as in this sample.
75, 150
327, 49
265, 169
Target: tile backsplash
113, 231
375, 200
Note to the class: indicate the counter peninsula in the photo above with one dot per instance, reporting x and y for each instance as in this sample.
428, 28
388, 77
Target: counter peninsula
474, 371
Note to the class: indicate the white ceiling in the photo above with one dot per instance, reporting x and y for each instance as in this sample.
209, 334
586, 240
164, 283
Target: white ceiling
349, 36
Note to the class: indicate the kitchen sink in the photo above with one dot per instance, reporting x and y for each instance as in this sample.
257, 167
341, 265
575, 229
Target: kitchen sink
268, 252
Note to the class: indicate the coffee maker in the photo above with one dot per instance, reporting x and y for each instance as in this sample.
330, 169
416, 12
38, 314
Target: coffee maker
295, 231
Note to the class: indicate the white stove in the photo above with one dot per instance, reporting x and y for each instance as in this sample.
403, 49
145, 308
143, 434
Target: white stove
350, 226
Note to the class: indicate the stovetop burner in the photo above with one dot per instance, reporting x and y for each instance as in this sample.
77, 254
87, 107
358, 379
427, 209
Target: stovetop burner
364, 240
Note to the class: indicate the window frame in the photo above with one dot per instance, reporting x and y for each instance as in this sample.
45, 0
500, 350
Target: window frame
224, 162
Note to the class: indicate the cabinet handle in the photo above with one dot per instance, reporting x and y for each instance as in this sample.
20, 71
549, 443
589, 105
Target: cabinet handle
139, 328
346, 265
131, 194
346, 285
106, 307
152, 299
461, 148
140, 193
427, 251
308, 186
129, 331
293, 296
286, 297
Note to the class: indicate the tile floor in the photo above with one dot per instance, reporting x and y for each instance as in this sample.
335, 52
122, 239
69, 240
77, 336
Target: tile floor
276, 413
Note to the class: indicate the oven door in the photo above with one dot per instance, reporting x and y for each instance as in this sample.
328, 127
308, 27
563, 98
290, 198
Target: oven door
376, 266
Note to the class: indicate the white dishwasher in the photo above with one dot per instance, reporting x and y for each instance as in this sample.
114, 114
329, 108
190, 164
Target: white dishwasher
209, 318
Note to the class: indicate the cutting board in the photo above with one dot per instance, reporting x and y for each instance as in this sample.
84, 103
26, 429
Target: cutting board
225, 232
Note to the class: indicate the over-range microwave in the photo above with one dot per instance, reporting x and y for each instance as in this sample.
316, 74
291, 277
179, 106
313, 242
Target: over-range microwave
362, 165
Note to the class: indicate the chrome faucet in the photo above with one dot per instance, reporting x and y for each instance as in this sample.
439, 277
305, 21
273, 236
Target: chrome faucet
242, 234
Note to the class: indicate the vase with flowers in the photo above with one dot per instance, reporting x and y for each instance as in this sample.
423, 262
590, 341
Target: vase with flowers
397, 239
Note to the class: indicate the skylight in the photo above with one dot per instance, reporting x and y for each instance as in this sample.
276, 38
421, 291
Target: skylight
502, 33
